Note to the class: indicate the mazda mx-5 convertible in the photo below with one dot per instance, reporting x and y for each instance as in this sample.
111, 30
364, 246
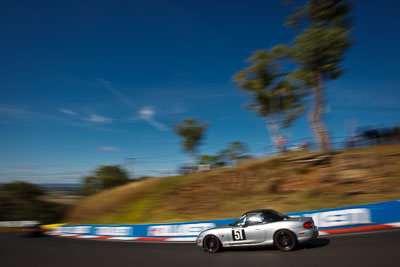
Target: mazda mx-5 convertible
260, 228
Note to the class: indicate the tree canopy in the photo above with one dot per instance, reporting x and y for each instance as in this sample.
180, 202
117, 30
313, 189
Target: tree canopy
192, 133
277, 79
104, 178
22, 190
236, 151
319, 50
22, 201
274, 95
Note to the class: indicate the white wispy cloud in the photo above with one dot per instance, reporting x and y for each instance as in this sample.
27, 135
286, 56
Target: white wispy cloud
108, 148
99, 119
67, 111
16, 113
90, 120
147, 114
110, 87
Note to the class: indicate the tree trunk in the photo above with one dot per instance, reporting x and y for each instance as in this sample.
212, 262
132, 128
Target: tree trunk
273, 130
316, 114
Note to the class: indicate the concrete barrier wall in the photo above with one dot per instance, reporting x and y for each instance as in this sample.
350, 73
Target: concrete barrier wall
346, 219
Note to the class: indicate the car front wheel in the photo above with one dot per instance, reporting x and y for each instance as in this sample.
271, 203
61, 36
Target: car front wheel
285, 240
212, 244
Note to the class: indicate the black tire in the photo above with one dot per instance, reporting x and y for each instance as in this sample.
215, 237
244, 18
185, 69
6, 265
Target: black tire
285, 240
212, 244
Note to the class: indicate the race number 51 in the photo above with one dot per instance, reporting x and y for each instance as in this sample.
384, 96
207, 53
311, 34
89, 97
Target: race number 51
238, 234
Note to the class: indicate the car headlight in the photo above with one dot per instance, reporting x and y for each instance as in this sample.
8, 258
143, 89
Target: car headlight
201, 234
199, 238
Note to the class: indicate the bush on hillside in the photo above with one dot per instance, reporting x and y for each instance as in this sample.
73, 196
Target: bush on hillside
104, 178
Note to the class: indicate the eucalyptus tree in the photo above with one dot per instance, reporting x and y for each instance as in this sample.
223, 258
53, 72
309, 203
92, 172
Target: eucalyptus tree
319, 50
275, 97
106, 177
235, 152
192, 133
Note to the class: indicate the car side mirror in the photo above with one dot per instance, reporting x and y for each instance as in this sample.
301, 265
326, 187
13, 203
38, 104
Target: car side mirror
243, 224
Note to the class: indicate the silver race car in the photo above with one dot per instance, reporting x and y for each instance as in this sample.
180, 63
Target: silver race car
260, 228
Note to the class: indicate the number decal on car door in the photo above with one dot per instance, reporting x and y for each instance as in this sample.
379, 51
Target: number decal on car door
238, 234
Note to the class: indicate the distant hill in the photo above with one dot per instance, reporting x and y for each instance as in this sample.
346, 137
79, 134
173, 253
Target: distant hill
62, 193
60, 184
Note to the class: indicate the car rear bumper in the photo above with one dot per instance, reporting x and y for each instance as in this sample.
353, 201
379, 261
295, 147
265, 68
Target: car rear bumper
305, 235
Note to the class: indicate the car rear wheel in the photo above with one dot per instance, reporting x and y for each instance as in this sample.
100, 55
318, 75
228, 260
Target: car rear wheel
285, 240
212, 244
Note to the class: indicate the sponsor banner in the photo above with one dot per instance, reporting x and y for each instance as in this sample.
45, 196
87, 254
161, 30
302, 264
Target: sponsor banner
354, 216
74, 230
96, 230
362, 217
178, 229
113, 230
152, 231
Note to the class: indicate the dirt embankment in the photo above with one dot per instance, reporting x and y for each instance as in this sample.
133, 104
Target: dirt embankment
287, 183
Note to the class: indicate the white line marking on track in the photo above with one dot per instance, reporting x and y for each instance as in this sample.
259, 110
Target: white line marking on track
181, 239
396, 224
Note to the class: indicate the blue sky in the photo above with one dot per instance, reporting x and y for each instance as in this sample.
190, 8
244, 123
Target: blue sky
86, 83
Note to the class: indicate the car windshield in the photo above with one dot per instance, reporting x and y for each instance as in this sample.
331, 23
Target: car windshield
239, 221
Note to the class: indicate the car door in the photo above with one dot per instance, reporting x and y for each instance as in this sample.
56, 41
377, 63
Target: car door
248, 230
238, 234
254, 229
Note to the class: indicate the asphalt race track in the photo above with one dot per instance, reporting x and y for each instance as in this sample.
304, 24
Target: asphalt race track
366, 249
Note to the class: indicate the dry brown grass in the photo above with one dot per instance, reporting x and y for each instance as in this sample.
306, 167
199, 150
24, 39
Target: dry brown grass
279, 183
